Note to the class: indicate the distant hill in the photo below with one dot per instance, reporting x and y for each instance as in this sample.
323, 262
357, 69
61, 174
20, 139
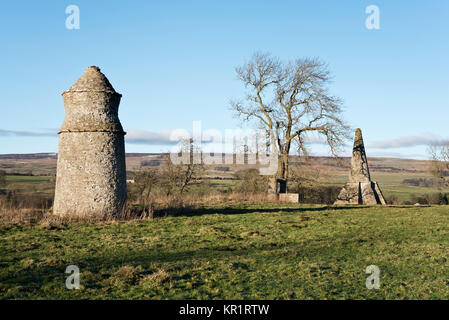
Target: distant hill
22, 156
45, 163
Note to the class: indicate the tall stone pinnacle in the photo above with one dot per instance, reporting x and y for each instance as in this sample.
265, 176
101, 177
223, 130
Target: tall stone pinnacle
359, 162
360, 189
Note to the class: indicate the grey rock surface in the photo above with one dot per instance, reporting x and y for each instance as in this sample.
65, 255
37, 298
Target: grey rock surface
359, 162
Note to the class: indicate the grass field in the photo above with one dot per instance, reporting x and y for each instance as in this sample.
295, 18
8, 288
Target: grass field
241, 251
43, 185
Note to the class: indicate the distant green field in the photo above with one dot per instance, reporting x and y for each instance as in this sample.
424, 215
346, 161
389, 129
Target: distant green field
396, 178
391, 184
31, 184
246, 251
28, 179
406, 192
383, 178
221, 185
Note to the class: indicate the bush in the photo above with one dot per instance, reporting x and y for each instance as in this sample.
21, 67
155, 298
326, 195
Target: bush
430, 198
436, 198
250, 182
418, 199
392, 199
421, 182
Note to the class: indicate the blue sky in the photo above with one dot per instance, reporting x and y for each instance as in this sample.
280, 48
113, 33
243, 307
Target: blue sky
174, 63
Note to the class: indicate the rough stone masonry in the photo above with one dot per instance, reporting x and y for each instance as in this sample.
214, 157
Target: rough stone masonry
360, 189
91, 172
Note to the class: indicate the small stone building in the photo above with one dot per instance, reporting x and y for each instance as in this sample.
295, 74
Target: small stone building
91, 172
360, 189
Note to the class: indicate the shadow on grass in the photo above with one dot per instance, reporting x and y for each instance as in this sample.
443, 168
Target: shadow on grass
231, 210
180, 264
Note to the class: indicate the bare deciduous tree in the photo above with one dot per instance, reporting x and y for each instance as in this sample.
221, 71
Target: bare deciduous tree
144, 183
175, 178
307, 175
291, 100
439, 165
250, 182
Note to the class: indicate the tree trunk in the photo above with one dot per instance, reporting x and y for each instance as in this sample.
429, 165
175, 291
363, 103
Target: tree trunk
278, 183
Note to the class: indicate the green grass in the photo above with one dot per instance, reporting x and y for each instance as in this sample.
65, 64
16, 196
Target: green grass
246, 251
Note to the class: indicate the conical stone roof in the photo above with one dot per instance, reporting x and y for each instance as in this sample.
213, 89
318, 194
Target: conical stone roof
92, 104
92, 80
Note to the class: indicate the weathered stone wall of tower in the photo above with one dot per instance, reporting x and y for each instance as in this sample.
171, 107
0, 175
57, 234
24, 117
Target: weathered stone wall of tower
91, 172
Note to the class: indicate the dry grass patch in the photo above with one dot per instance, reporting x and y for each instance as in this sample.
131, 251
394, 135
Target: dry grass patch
156, 278
125, 275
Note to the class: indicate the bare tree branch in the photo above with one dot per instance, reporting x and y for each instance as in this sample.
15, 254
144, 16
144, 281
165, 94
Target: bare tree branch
291, 100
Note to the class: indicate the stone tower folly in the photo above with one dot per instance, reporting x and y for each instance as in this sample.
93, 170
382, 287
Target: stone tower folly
360, 189
91, 173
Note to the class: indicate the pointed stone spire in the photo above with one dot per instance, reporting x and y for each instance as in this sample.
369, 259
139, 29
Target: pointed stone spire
359, 162
360, 189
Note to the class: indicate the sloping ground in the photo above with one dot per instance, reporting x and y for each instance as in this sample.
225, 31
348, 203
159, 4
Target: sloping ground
247, 251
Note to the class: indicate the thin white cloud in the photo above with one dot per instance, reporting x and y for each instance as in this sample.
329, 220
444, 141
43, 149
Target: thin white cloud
9, 133
136, 136
407, 142
150, 138
164, 137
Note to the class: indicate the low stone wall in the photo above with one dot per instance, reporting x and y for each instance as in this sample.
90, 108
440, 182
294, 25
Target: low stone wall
289, 197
